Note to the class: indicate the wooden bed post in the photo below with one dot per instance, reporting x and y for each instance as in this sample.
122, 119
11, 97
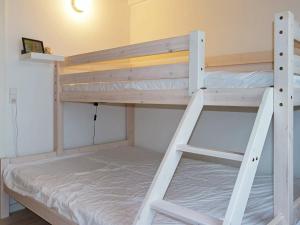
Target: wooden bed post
196, 61
4, 198
130, 124
283, 116
58, 113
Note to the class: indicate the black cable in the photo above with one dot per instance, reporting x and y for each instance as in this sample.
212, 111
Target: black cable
95, 119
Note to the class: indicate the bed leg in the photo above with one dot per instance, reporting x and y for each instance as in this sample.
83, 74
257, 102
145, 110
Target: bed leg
130, 124
4, 198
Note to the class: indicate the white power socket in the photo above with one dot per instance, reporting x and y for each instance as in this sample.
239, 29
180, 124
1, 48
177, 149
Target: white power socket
13, 94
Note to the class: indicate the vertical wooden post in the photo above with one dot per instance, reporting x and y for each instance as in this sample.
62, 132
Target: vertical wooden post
283, 116
58, 113
130, 124
4, 198
196, 61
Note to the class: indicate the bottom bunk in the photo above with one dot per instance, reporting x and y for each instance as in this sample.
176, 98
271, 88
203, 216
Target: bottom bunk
108, 187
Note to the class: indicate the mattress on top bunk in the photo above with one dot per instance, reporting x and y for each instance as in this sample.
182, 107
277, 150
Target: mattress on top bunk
217, 79
108, 187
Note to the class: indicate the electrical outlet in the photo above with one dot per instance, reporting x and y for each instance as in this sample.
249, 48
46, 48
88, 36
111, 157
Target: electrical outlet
13, 93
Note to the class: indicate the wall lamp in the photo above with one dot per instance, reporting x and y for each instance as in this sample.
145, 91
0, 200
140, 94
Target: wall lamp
80, 5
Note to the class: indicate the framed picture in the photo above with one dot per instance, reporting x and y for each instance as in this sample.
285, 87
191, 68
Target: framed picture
31, 45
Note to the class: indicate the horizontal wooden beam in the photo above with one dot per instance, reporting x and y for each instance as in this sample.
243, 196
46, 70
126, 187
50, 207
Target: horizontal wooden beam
250, 97
211, 153
48, 214
170, 71
183, 214
164, 97
137, 50
240, 59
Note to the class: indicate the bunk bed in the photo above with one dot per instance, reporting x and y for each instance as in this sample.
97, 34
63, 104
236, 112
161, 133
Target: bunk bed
46, 183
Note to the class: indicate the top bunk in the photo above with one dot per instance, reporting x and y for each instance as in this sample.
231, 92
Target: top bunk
169, 71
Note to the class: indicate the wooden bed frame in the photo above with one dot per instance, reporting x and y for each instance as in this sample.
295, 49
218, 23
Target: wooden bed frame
188, 62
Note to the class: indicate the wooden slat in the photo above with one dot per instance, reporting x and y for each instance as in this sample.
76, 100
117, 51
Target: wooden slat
48, 214
183, 214
284, 117
170, 71
171, 97
136, 50
240, 59
250, 97
32, 158
211, 153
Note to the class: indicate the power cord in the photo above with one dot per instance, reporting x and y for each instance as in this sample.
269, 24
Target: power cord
95, 119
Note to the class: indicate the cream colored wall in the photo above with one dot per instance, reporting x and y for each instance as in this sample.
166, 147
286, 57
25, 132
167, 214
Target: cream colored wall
231, 26
67, 32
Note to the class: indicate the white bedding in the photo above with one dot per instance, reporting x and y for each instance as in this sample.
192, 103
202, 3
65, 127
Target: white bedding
107, 188
218, 79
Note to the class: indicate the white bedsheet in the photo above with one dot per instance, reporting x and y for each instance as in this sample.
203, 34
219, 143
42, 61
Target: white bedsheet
107, 188
218, 79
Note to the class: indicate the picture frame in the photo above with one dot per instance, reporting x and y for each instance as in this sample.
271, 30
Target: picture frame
32, 45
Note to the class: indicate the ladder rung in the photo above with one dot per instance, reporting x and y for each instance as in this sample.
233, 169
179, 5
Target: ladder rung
184, 214
212, 153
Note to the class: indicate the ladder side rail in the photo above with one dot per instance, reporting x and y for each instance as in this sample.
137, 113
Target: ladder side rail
171, 159
284, 116
246, 175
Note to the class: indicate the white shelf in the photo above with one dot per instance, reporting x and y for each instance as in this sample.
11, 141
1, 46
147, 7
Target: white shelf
40, 57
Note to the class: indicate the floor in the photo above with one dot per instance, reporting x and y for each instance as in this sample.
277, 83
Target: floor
24, 217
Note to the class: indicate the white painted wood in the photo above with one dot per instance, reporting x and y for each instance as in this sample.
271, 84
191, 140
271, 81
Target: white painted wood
4, 198
211, 153
170, 71
183, 214
58, 141
196, 61
44, 58
242, 188
283, 116
278, 220
148, 48
169, 164
48, 214
130, 111
250, 97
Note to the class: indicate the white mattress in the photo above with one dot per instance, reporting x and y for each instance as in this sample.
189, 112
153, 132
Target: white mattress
107, 188
218, 79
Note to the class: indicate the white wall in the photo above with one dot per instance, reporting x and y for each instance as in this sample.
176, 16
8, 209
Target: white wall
231, 27
67, 32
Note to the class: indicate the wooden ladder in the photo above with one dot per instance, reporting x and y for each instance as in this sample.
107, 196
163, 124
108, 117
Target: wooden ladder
154, 199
